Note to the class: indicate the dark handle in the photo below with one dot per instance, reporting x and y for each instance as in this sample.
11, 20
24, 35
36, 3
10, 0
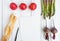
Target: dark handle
16, 34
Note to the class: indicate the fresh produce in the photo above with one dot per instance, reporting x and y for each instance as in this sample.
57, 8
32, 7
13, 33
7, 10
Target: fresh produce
46, 30
44, 8
13, 6
48, 8
33, 6
54, 31
23, 6
51, 8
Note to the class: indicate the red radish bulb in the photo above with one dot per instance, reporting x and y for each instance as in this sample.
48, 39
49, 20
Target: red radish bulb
33, 6
13, 6
46, 30
54, 31
22, 6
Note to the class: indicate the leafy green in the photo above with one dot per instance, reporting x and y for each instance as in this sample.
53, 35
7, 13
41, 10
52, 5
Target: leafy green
48, 8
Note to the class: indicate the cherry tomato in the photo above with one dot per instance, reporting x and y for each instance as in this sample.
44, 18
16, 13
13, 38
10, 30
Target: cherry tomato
22, 6
13, 6
33, 6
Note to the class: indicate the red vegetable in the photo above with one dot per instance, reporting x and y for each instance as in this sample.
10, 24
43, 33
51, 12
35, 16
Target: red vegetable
46, 30
54, 31
33, 6
22, 6
13, 6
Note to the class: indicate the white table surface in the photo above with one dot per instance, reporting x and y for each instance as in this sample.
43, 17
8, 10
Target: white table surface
30, 26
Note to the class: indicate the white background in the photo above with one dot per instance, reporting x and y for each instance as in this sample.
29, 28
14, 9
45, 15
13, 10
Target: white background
30, 28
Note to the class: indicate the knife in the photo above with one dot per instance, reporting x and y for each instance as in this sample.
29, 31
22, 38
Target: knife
16, 34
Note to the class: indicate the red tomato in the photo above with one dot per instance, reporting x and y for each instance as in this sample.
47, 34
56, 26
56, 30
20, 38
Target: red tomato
33, 6
22, 6
13, 6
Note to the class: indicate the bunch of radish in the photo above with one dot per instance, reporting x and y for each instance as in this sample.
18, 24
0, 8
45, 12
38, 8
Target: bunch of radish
48, 10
